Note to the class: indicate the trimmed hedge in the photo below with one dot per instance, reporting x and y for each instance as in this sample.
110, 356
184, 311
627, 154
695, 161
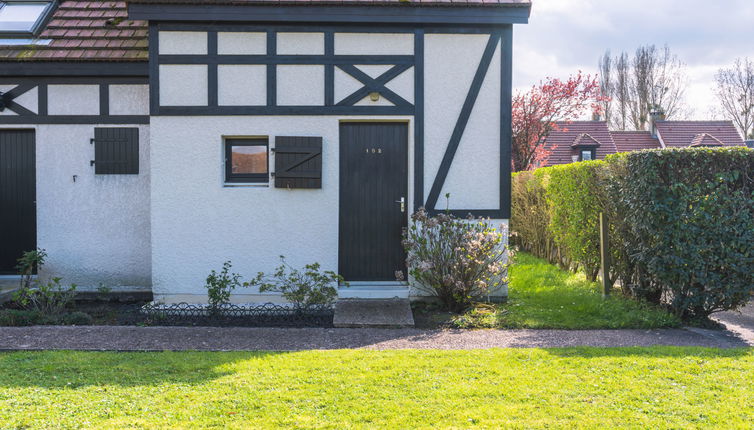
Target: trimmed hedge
681, 223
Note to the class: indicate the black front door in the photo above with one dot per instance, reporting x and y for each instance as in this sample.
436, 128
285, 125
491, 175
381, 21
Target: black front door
373, 183
18, 217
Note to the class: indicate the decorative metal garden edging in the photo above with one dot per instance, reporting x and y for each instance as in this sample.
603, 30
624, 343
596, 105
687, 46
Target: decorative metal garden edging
266, 315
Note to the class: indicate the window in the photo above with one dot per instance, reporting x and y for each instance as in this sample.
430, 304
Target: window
587, 154
116, 151
246, 160
23, 17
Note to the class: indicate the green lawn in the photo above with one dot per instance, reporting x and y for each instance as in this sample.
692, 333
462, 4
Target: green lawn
659, 387
543, 296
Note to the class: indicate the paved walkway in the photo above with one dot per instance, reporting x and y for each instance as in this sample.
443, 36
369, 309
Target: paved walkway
280, 339
740, 322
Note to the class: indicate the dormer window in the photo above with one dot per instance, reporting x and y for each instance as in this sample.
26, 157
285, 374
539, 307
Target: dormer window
587, 154
23, 18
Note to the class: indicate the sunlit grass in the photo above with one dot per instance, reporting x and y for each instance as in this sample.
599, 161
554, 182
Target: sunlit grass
543, 296
662, 387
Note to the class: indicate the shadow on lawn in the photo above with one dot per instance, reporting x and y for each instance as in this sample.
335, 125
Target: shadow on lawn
74, 369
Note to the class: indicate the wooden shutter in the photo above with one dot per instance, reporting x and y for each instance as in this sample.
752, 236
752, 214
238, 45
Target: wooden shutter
298, 162
116, 151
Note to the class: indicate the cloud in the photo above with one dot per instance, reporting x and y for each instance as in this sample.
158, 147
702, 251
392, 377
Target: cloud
569, 35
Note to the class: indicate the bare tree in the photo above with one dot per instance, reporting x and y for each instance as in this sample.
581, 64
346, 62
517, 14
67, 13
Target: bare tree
735, 90
606, 85
653, 79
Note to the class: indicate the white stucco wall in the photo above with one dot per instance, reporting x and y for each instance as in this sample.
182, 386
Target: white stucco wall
198, 223
241, 43
241, 85
95, 229
374, 43
300, 43
129, 99
301, 85
183, 85
450, 63
182, 42
73, 99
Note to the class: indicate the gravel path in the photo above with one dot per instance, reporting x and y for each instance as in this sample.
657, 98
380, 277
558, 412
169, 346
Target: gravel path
122, 338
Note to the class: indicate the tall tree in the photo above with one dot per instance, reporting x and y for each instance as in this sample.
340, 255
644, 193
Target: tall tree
735, 90
536, 111
652, 79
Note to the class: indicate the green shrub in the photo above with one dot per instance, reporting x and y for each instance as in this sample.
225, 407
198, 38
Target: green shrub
574, 197
690, 218
530, 217
48, 298
19, 317
681, 223
220, 285
304, 288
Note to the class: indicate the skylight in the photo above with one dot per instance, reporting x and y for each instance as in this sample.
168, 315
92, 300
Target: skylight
23, 16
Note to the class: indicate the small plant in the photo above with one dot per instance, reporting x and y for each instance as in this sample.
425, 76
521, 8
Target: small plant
304, 288
220, 285
48, 298
454, 259
28, 264
104, 289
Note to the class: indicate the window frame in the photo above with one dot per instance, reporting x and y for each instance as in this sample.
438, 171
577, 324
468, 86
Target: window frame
245, 178
39, 24
592, 153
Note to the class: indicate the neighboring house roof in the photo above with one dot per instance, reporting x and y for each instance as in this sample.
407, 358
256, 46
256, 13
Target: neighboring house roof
678, 134
626, 141
704, 139
584, 139
563, 142
86, 31
99, 30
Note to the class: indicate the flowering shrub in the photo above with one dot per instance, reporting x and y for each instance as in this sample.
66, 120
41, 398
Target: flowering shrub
454, 259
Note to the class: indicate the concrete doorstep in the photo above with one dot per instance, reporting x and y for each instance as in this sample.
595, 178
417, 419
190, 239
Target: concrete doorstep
386, 313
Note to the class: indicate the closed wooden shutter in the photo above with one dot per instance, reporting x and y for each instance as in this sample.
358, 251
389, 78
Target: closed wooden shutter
116, 151
298, 162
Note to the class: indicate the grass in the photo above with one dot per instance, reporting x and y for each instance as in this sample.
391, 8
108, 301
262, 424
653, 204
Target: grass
660, 387
543, 296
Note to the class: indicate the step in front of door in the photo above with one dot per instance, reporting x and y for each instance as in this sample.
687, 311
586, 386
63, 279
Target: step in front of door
373, 290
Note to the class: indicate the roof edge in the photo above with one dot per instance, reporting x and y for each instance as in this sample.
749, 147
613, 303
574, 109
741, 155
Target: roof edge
337, 12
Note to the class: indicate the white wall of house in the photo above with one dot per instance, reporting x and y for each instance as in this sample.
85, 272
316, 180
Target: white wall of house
95, 229
450, 64
198, 222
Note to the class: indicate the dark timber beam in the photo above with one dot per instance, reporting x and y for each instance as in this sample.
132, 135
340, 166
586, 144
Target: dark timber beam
405, 14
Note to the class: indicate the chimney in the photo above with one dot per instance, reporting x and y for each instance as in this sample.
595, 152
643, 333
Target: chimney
657, 113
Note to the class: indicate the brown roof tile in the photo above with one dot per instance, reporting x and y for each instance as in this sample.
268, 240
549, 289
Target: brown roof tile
99, 30
86, 30
626, 141
682, 133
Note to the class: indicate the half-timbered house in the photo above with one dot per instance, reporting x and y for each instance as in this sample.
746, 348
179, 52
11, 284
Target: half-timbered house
144, 143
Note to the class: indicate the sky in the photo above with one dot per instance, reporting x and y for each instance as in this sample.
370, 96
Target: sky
564, 36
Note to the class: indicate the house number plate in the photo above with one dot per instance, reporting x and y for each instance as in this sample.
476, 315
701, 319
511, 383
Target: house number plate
374, 150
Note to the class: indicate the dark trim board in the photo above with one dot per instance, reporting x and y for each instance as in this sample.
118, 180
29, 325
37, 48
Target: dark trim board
273, 59
408, 14
335, 28
283, 110
70, 69
419, 119
74, 119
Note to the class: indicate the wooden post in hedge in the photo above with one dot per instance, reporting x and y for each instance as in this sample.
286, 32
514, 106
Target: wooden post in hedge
605, 254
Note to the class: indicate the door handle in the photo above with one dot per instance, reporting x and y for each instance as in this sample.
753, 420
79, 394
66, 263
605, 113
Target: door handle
402, 201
